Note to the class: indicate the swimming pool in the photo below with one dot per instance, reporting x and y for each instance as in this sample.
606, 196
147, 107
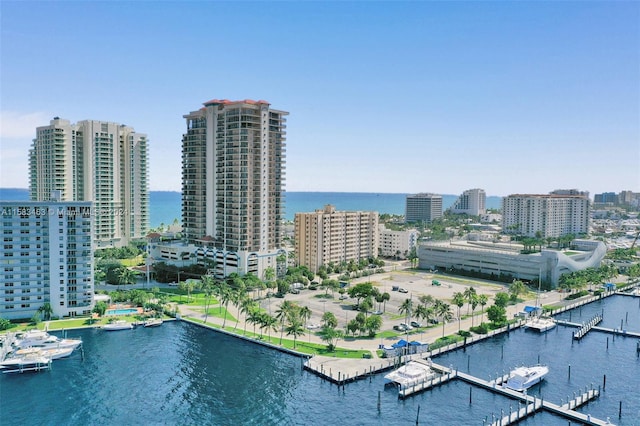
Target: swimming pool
125, 311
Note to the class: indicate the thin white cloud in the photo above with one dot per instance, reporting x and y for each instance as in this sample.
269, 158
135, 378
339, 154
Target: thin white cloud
15, 124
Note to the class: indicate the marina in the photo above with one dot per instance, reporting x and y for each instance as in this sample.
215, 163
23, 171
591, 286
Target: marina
589, 378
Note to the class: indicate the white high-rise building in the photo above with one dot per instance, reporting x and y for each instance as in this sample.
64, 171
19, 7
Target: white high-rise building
46, 257
471, 202
233, 157
329, 236
552, 215
102, 162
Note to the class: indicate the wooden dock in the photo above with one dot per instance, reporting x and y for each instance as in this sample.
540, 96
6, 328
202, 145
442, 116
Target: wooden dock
585, 328
616, 331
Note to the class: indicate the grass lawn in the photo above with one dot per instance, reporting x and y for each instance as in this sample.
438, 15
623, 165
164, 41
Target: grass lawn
134, 261
300, 344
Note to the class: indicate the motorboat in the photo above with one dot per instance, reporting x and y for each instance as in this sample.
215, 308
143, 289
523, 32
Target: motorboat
410, 374
540, 324
32, 361
522, 378
153, 322
51, 353
118, 325
43, 340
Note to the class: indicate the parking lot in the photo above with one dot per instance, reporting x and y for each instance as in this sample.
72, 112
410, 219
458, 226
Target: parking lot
414, 284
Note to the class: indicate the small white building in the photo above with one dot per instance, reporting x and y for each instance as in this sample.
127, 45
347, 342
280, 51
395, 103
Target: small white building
397, 243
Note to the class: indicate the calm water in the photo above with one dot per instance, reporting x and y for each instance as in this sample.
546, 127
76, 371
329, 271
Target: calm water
180, 374
165, 206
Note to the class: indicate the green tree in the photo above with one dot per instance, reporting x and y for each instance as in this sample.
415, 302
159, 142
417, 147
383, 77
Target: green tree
483, 299
516, 288
46, 311
373, 324
406, 308
207, 285
329, 320
469, 293
5, 324
501, 299
295, 329
330, 335
100, 308
497, 314
126, 276
443, 310
458, 300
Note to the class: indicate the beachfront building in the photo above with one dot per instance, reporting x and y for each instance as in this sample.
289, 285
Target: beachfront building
505, 261
98, 161
46, 257
559, 213
471, 202
329, 236
397, 244
423, 207
233, 157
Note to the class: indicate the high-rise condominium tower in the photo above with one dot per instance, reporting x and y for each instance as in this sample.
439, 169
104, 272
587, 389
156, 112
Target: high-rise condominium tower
554, 215
233, 157
471, 202
97, 161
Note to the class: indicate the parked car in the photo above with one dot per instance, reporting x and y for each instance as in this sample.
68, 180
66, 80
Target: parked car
376, 313
416, 324
400, 327
403, 290
406, 326
433, 321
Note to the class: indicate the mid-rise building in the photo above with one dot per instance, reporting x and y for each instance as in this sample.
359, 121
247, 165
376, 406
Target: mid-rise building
397, 244
471, 202
329, 236
233, 157
102, 162
552, 215
423, 207
46, 258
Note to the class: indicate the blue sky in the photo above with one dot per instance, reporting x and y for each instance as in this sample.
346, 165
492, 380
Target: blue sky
511, 97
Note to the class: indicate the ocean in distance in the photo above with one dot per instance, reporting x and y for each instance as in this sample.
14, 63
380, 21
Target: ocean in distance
165, 206
183, 374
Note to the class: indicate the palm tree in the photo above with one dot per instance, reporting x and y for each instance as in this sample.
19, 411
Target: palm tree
424, 312
225, 296
246, 303
406, 308
385, 298
305, 314
474, 304
468, 295
295, 328
46, 310
458, 300
253, 317
483, 299
281, 314
207, 285
126, 276
443, 310
269, 322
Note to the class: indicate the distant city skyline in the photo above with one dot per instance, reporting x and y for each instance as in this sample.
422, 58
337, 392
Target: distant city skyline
387, 97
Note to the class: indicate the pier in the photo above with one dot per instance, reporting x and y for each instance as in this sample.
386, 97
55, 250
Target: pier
585, 328
617, 331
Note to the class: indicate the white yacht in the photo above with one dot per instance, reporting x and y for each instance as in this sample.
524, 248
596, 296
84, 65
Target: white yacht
540, 324
410, 374
523, 378
43, 340
33, 361
118, 325
51, 353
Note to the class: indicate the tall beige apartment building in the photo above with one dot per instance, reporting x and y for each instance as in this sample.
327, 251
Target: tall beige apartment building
233, 157
328, 235
102, 162
559, 213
